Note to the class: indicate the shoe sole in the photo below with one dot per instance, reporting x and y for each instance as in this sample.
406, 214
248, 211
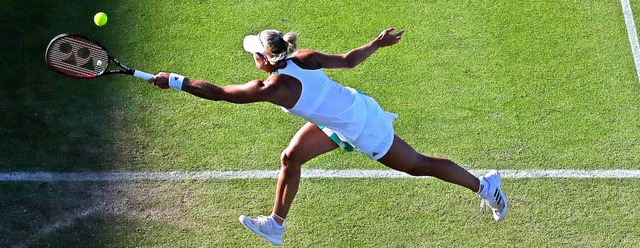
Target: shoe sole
506, 208
504, 198
274, 241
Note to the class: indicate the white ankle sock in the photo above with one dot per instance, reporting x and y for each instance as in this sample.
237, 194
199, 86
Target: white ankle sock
274, 216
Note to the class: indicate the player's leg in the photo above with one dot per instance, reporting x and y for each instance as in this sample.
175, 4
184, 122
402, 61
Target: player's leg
402, 157
308, 143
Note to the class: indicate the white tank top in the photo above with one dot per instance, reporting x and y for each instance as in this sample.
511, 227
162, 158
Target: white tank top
325, 102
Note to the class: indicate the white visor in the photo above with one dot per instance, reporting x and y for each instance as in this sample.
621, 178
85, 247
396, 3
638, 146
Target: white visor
252, 44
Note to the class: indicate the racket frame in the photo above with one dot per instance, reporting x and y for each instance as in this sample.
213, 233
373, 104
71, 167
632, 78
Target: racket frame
124, 69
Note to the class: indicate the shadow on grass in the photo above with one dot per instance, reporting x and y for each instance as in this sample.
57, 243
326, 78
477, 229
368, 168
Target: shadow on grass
94, 214
31, 212
49, 122
52, 123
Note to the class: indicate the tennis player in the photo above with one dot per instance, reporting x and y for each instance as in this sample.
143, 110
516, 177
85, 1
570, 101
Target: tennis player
337, 116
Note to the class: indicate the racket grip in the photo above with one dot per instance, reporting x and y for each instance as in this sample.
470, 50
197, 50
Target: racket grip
143, 75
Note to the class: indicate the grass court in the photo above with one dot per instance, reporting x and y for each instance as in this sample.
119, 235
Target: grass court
491, 85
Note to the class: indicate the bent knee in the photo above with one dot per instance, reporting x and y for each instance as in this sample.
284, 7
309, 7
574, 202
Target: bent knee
288, 161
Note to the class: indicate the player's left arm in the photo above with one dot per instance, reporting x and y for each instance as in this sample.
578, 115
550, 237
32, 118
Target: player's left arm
358, 55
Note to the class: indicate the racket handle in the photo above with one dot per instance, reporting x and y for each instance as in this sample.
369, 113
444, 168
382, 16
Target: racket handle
143, 75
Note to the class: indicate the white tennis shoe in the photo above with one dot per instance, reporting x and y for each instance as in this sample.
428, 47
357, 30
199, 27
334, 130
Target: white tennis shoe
493, 196
265, 227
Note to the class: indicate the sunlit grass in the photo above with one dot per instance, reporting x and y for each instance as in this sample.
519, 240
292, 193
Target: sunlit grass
505, 85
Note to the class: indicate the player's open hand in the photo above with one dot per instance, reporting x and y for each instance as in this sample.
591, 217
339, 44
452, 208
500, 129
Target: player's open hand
161, 80
386, 38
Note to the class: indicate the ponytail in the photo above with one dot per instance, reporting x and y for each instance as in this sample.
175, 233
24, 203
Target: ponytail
280, 46
292, 42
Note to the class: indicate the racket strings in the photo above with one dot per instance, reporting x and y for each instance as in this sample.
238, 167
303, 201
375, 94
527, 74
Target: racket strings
77, 57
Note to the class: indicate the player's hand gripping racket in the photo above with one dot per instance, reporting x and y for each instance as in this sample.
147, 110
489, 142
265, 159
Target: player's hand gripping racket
77, 56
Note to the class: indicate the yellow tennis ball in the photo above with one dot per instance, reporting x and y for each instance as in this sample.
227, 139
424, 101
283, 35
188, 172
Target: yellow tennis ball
100, 19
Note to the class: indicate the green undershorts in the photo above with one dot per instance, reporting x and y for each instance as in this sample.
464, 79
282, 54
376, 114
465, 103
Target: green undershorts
333, 136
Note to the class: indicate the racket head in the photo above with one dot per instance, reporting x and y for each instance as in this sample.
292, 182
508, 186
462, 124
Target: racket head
77, 56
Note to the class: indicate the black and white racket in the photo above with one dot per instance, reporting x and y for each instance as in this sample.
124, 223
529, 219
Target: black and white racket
77, 56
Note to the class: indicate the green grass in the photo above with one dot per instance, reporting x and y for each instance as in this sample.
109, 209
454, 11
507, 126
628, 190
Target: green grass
507, 85
327, 213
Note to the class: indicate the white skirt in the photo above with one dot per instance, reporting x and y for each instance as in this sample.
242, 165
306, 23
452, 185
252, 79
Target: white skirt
377, 135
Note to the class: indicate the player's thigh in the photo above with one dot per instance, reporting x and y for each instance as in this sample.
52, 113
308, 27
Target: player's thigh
401, 156
308, 143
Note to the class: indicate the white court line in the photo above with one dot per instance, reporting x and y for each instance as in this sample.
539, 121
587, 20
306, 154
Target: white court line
633, 35
312, 173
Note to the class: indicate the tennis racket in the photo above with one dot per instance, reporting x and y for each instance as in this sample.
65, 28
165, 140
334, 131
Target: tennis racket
77, 56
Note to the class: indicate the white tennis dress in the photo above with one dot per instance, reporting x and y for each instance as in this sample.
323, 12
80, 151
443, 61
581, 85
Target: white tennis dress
354, 117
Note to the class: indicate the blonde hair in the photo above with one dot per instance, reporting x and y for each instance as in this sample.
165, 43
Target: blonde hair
278, 46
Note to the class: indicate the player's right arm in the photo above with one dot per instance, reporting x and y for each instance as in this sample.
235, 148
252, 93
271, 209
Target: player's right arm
253, 91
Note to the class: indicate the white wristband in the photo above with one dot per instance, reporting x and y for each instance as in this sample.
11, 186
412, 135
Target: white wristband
175, 81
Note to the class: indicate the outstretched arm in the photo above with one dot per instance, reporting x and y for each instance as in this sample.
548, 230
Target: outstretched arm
358, 55
253, 91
